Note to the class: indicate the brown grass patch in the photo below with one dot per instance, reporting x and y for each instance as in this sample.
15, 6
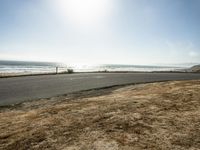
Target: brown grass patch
148, 116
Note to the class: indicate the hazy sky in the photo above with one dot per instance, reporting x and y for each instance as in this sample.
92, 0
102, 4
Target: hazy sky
101, 31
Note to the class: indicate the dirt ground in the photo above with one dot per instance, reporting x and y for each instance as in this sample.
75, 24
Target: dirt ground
158, 116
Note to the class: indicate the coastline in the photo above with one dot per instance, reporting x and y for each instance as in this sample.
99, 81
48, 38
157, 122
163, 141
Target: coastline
28, 68
143, 116
10, 75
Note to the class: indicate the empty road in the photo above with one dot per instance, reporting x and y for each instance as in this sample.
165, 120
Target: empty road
17, 89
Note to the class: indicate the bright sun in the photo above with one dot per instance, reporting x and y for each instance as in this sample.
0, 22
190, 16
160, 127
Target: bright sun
85, 12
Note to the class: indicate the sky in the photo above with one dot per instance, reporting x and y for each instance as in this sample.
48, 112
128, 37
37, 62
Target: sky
141, 32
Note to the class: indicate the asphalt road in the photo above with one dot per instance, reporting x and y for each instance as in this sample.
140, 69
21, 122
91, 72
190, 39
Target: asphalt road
17, 89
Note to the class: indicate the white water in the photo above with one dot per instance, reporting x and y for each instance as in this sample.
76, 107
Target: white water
38, 67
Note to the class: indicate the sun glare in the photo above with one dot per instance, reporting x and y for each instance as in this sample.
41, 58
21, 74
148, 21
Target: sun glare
85, 12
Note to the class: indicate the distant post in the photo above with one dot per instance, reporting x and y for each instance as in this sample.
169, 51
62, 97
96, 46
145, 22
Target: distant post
56, 70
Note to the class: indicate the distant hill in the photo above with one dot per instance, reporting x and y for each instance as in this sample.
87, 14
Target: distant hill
195, 68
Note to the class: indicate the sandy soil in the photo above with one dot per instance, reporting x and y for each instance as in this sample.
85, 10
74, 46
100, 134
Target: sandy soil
163, 116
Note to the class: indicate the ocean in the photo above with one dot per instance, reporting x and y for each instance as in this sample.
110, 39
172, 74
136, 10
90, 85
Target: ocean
25, 67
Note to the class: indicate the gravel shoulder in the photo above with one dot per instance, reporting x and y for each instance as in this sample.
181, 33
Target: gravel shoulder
162, 115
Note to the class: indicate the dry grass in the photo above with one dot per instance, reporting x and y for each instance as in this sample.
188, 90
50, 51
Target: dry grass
148, 116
